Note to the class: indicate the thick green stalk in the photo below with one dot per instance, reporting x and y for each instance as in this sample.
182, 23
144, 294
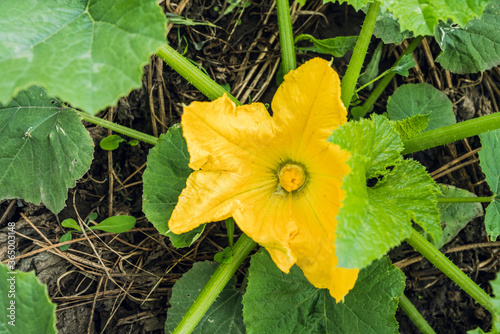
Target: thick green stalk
213, 288
185, 68
431, 253
451, 133
415, 316
119, 128
358, 56
288, 61
385, 81
466, 199
191, 73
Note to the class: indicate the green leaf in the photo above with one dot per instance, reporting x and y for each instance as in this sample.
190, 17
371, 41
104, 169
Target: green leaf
226, 256
473, 48
387, 28
71, 223
410, 127
375, 218
420, 17
489, 160
404, 65
225, 314
44, 149
276, 302
336, 47
371, 70
455, 216
492, 219
111, 142
65, 237
164, 179
115, 224
25, 304
227, 87
93, 216
88, 53
421, 99
401, 67
375, 141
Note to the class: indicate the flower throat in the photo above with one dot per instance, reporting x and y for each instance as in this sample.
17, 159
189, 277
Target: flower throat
292, 177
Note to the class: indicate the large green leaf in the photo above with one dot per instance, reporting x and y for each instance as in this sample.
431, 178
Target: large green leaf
375, 218
373, 141
44, 149
455, 216
25, 304
421, 99
489, 157
164, 179
223, 317
473, 48
276, 302
88, 53
421, 16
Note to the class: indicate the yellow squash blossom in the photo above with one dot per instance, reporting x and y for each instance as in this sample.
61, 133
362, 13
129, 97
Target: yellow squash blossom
277, 176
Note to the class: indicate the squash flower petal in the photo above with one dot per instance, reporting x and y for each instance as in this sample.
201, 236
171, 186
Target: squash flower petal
277, 176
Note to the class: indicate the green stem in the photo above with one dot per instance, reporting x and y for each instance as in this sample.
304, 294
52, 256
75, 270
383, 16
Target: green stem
119, 128
230, 223
385, 81
431, 253
415, 316
389, 71
191, 73
466, 199
185, 68
358, 56
288, 61
451, 133
213, 288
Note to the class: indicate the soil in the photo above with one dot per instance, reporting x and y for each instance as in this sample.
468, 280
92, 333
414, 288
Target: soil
122, 283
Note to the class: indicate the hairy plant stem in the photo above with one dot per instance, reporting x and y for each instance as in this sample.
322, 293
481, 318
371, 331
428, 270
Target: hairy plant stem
118, 128
193, 74
213, 288
358, 56
466, 199
431, 253
451, 133
415, 316
288, 61
385, 81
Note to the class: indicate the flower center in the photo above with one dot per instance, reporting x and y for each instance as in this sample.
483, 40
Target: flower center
292, 177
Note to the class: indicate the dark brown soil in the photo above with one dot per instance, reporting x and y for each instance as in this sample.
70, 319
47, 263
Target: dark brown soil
122, 283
